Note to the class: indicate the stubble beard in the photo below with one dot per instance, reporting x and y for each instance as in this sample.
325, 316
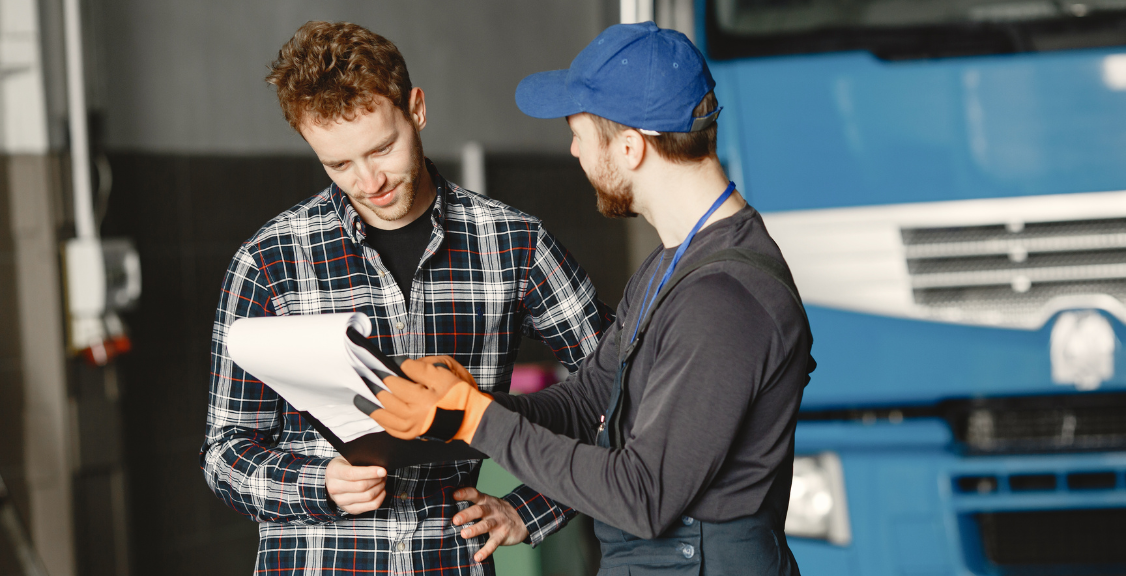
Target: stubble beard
408, 189
615, 195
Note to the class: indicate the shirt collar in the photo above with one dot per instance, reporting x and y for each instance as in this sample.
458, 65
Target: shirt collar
438, 213
354, 225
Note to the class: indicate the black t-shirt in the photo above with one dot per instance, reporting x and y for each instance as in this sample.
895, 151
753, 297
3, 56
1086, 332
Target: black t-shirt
401, 250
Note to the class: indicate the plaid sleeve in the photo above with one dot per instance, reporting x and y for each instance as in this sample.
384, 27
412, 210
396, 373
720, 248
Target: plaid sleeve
244, 419
567, 315
542, 515
563, 305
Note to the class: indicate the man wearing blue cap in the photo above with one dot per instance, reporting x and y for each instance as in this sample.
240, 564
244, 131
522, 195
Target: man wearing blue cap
677, 433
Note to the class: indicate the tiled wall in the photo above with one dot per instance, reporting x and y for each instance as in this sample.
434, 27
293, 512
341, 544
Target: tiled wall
555, 189
187, 216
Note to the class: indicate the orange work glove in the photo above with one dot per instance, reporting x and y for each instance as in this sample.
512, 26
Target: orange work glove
454, 367
438, 405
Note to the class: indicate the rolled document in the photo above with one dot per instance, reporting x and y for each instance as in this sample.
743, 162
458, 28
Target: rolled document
309, 361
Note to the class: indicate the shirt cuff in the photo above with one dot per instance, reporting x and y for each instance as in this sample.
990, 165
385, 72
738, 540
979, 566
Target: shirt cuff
541, 515
313, 493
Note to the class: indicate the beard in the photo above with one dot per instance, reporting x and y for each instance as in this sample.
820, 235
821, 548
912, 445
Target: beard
408, 188
615, 195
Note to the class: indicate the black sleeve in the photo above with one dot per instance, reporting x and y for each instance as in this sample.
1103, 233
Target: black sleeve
715, 345
572, 407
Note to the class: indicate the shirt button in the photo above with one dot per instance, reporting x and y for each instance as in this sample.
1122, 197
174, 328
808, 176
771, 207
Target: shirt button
688, 520
399, 325
687, 550
402, 495
400, 546
380, 272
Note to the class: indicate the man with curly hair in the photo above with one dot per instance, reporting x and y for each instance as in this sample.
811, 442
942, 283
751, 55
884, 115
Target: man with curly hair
439, 270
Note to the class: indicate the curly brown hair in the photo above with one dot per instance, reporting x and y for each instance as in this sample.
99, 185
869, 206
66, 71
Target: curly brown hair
336, 70
681, 147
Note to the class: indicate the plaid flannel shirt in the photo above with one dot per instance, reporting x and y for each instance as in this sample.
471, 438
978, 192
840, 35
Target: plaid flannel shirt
489, 274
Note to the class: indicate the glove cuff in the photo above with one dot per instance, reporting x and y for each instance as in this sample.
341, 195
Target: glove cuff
457, 414
475, 407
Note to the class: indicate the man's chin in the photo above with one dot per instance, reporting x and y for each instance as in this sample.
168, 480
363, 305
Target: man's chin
397, 209
615, 206
391, 213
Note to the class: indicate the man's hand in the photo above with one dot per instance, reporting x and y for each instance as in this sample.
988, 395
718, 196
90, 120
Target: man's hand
495, 516
453, 365
355, 489
438, 404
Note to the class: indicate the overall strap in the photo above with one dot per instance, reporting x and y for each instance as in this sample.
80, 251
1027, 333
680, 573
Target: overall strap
610, 433
766, 264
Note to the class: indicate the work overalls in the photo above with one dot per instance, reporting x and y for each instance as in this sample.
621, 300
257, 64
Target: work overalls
753, 545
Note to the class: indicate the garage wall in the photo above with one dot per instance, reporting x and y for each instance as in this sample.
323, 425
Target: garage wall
186, 77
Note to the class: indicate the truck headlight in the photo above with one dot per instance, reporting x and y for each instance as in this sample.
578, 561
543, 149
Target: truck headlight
817, 500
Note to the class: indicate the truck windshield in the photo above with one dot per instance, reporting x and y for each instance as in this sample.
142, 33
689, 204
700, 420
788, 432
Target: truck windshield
910, 29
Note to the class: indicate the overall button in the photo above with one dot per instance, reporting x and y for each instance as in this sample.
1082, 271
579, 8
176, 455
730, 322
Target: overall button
399, 325
688, 520
687, 550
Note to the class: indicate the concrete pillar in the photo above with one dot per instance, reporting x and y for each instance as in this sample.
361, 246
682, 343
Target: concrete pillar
47, 435
46, 410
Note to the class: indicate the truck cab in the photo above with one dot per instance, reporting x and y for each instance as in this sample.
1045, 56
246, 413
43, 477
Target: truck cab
946, 181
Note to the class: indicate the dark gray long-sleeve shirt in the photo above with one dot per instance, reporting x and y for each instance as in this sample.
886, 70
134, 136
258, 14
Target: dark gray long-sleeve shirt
713, 395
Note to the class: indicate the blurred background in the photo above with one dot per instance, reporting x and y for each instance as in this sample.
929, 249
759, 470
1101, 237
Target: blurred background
189, 156
944, 177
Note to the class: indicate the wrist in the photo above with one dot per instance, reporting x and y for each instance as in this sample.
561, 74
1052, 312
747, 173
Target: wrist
527, 518
475, 405
313, 492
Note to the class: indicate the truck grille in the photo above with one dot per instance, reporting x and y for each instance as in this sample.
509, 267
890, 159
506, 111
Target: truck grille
1006, 273
1074, 541
1012, 425
1040, 424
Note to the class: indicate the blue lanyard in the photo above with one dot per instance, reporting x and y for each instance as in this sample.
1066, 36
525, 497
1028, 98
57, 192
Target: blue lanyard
645, 300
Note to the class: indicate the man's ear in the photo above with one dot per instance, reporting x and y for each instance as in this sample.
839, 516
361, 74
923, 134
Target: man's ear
418, 108
633, 147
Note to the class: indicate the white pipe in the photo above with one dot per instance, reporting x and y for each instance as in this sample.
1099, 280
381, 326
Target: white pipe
633, 11
473, 167
629, 11
76, 110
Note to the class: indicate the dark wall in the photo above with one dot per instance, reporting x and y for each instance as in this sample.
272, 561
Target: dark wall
555, 189
188, 215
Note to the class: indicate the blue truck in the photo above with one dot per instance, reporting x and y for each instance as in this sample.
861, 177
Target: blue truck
945, 178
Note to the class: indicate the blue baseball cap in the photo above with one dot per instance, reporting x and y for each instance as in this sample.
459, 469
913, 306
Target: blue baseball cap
645, 77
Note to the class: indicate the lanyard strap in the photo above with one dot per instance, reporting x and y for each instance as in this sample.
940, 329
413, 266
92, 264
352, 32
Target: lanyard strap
647, 302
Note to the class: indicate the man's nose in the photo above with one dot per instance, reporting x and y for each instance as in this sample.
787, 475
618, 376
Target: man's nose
371, 179
574, 147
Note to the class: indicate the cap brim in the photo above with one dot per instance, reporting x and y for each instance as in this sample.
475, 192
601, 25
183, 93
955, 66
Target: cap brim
544, 95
